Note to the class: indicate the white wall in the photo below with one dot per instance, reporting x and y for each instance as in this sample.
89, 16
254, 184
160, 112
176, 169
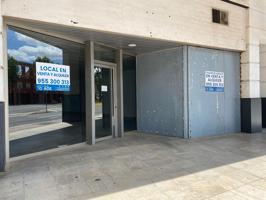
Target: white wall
258, 38
252, 66
175, 20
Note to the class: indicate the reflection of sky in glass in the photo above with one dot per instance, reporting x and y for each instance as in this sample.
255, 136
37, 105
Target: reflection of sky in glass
27, 49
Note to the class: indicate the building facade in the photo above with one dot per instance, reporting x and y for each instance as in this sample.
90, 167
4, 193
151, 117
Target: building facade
177, 68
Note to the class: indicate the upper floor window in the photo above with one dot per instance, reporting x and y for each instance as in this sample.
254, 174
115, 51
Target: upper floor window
219, 16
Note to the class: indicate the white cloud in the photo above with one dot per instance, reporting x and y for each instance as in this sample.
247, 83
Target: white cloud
29, 53
33, 49
28, 40
20, 55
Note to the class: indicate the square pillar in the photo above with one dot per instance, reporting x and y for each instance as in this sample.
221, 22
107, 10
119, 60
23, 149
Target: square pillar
251, 107
263, 82
3, 98
120, 101
263, 110
89, 93
251, 115
2, 137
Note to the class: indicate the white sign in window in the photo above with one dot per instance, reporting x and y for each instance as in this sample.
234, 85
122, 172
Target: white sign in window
214, 81
104, 88
52, 77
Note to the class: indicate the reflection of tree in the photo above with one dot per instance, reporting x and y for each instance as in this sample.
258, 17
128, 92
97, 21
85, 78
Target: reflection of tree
22, 83
43, 59
12, 69
12, 75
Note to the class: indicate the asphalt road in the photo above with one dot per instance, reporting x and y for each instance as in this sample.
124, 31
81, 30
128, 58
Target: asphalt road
30, 116
26, 116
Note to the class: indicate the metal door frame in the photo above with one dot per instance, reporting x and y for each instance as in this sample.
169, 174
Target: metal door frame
112, 67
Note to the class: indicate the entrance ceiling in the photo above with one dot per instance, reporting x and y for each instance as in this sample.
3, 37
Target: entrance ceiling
144, 45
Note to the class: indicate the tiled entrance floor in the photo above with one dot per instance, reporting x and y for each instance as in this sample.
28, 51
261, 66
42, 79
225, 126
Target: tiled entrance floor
142, 166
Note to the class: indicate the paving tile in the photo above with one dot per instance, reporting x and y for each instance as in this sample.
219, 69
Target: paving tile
239, 175
260, 184
231, 196
251, 192
141, 166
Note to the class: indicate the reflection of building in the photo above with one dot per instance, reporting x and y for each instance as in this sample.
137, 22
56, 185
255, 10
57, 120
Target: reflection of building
23, 89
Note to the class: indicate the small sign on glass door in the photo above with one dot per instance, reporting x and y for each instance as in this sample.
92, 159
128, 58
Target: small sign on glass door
104, 88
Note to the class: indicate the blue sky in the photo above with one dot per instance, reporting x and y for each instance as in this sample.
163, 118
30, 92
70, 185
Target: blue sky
27, 49
12, 41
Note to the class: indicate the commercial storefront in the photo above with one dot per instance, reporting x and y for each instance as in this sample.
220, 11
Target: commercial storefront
148, 76
152, 85
44, 114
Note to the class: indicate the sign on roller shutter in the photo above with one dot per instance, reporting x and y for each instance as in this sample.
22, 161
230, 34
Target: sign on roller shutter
214, 81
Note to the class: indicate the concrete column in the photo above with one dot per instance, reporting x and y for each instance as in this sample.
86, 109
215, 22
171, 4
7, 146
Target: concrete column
263, 82
1, 59
263, 70
251, 117
3, 137
120, 101
89, 93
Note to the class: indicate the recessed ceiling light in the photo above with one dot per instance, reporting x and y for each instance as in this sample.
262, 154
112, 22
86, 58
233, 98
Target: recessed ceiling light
132, 45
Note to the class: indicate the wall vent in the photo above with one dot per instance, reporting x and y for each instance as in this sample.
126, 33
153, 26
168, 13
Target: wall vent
219, 16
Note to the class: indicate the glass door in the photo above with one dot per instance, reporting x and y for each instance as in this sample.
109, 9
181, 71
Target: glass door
103, 77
